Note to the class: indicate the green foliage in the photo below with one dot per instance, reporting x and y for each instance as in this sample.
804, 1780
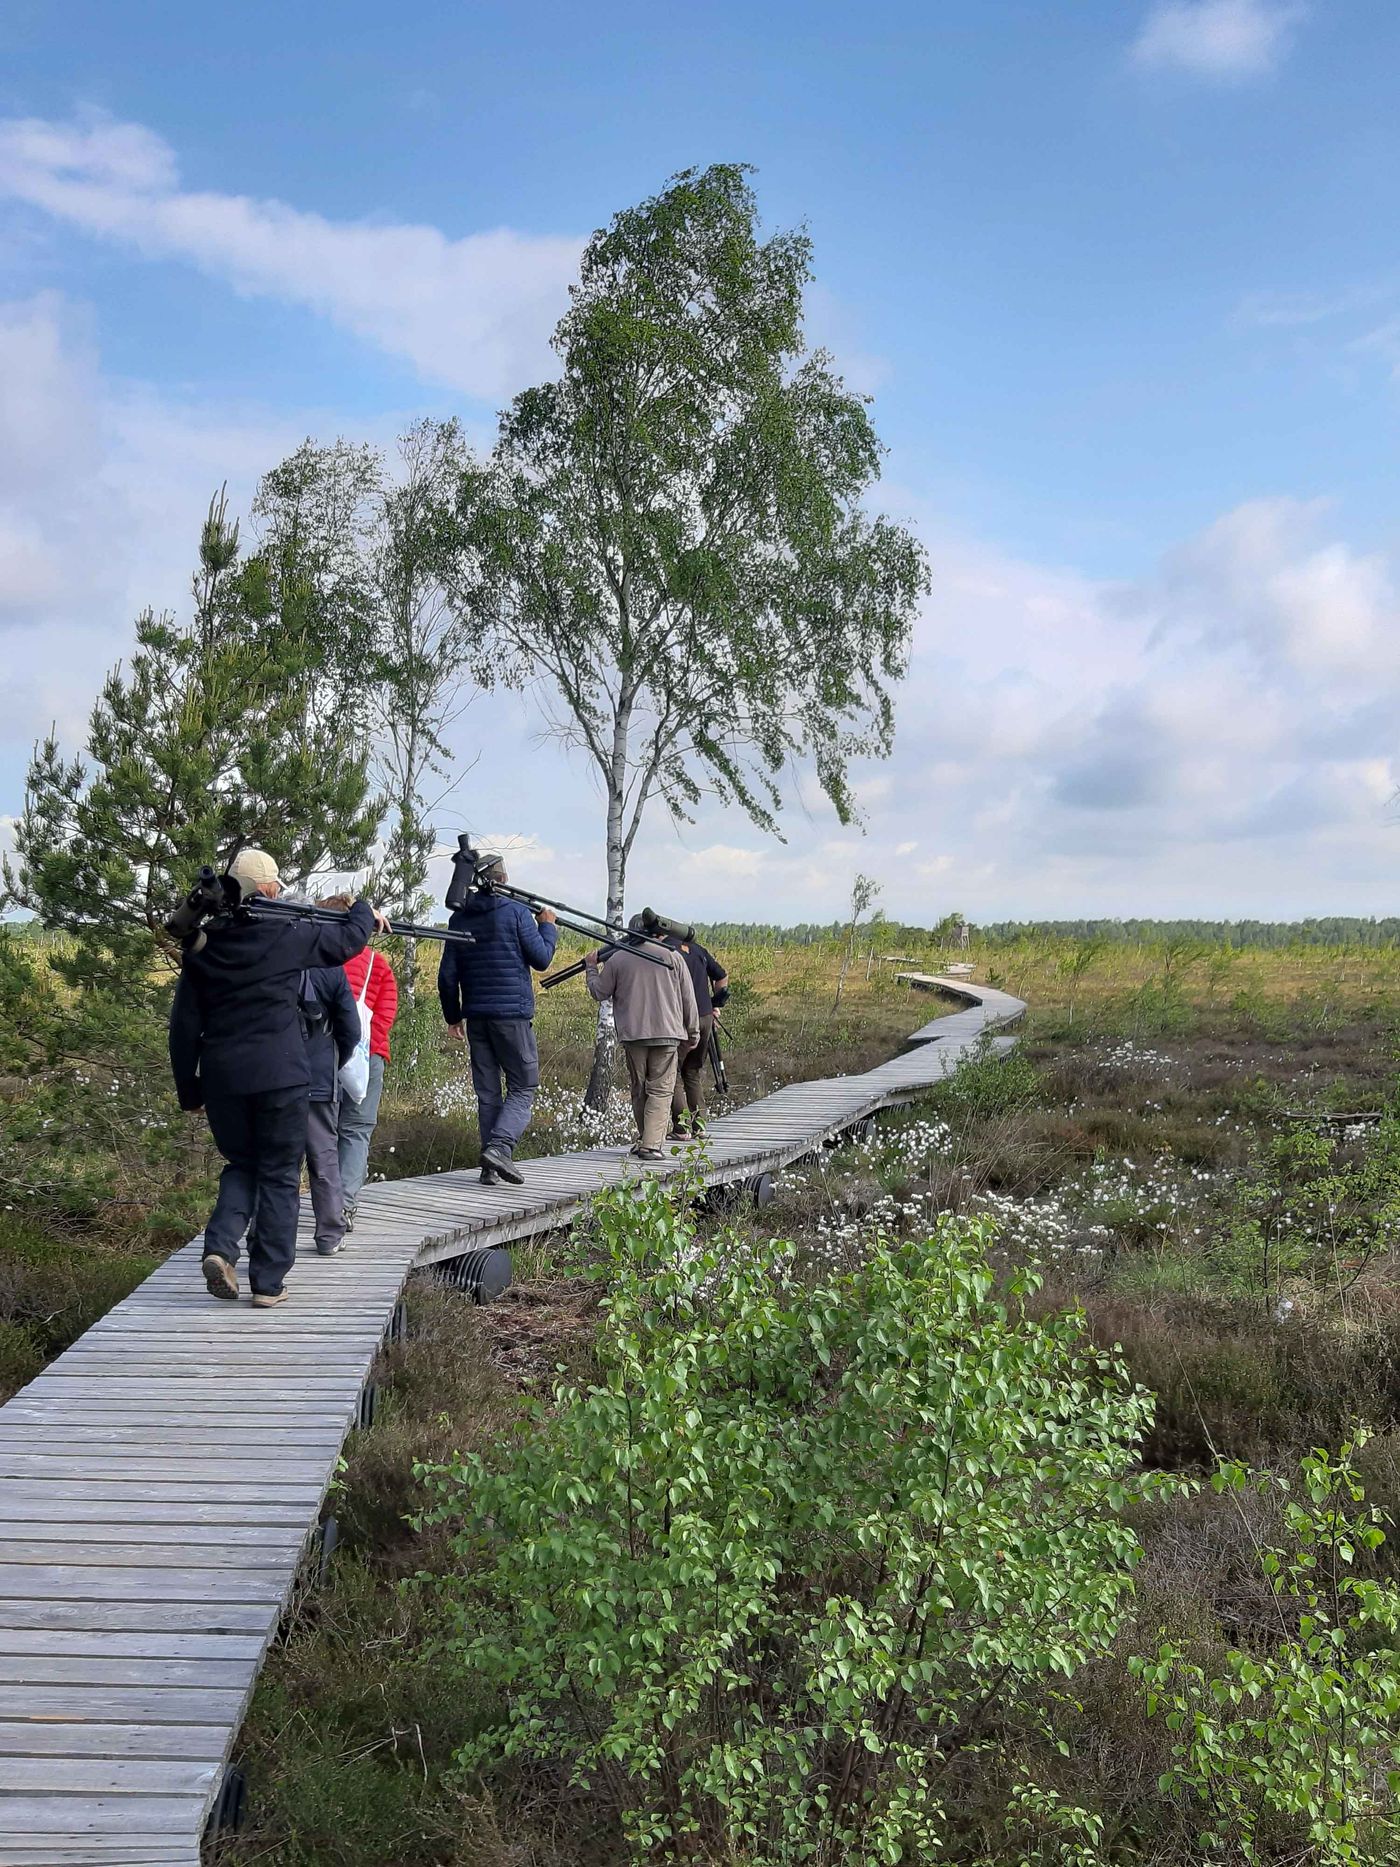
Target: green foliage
988, 1085
798, 1545
204, 741
673, 534
51, 1290
1317, 1208
1291, 1749
89, 1125
215, 733
415, 669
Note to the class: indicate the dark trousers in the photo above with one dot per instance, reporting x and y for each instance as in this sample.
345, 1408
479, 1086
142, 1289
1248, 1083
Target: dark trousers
685, 1097
323, 1172
503, 1048
262, 1138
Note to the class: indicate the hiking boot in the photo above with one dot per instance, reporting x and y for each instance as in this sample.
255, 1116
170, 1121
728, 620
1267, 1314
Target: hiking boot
502, 1165
220, 1277
330, 1247
489, 1176
350, 1216
264, 1299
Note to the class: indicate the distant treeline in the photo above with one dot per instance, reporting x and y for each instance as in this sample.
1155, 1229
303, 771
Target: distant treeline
1335, 930
891, 936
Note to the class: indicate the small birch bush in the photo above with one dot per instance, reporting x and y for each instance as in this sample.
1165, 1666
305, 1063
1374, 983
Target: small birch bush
798, 1545
1291, 1751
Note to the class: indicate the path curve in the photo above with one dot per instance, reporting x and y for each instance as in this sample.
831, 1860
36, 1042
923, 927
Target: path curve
160, 1481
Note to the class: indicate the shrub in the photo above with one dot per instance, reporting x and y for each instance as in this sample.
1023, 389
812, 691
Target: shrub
1292, 1751
798, 1546
990, 1084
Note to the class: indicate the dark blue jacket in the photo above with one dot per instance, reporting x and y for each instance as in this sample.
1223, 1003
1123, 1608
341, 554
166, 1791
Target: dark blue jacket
492, 978
235, 1024
333, 1029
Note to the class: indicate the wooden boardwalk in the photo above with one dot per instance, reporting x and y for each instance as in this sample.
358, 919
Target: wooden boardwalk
160, 1481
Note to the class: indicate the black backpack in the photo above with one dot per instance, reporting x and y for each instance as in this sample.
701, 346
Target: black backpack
315, 1019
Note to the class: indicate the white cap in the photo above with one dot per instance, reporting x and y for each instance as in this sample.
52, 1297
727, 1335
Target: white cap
250, 868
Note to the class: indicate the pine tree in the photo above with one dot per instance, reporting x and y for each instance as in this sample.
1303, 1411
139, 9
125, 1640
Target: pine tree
204, 741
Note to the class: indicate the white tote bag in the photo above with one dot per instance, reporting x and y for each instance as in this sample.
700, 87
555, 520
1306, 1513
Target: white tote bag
354, 1075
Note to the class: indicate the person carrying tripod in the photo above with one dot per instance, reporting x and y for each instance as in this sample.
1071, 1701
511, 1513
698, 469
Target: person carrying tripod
707, 977
488, 1000
657, 1021
238, 1050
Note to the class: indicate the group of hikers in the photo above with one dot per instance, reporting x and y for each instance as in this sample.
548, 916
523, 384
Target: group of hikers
280, 1030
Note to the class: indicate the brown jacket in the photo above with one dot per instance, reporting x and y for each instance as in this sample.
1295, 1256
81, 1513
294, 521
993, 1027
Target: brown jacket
652, 1004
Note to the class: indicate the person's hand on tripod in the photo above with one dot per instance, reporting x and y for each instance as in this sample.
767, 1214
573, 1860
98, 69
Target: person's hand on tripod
381, 921
545, 917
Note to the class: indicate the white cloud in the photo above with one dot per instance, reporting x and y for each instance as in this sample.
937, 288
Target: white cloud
723, 862
473, 312
1218, 735
1220, 39
102, 490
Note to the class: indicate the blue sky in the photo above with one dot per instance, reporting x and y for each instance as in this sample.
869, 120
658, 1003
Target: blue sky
1120, 277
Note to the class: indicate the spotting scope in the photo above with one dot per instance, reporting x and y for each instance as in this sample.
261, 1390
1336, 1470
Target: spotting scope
646, 928
478, 871
215, 894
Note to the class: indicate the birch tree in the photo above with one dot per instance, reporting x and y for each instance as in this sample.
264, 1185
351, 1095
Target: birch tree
419, 685
670, 541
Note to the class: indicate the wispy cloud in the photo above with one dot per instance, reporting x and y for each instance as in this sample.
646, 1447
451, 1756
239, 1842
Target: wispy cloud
1218, 39
474, 312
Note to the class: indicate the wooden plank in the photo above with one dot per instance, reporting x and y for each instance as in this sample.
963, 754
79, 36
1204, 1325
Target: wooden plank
131, 1851
199, 1536
54, 1738
72, 1582
100, 1643
115, 1467
108, 1776
83, 1670
232, 1617
119, 1704
175, 1554
80, 1815
86, 1435
150, 1503
118, 1504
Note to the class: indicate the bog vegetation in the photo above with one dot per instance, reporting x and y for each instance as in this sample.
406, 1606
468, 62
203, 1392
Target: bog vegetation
1016, 1488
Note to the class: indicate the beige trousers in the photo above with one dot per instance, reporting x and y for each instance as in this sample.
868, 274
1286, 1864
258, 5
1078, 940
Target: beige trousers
651, 1069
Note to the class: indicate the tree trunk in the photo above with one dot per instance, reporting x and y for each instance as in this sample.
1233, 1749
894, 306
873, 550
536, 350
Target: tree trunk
605, 1037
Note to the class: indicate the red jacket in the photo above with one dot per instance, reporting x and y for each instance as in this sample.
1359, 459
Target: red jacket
382, 998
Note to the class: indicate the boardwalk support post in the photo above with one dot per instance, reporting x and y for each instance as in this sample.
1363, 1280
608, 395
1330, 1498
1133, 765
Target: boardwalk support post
226, 1816
330, 1537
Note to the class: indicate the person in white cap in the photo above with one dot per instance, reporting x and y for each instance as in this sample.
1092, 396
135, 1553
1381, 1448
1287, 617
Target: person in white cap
238, 1050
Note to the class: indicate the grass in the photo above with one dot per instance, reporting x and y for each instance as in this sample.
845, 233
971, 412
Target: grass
50, 1291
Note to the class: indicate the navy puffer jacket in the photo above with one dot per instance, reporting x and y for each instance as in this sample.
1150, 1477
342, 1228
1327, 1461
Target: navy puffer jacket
492, 978
331, 1038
